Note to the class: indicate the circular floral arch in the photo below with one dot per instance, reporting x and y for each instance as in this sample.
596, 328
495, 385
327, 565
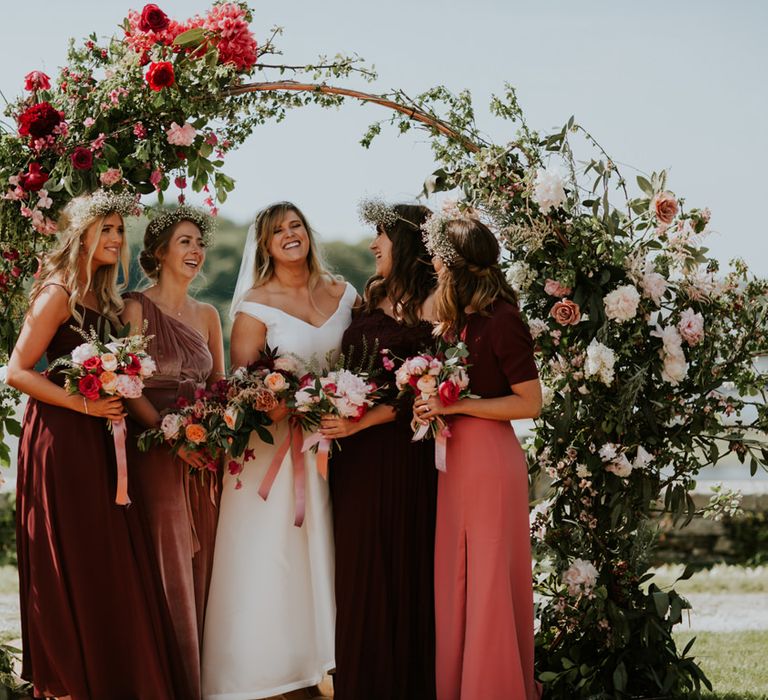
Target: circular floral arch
645, 348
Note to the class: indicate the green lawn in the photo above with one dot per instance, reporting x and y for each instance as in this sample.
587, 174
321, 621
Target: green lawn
734, 662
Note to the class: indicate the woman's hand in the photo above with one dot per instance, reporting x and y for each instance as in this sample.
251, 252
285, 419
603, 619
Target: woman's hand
111, 407
336, 427
280, 412
194, 458
426, 410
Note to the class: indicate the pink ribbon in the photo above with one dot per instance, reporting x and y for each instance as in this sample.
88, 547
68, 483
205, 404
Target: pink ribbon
119, 432
323, 448
292, 441
441, 446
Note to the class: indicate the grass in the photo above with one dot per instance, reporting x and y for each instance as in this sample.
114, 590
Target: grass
733, 661
721, 578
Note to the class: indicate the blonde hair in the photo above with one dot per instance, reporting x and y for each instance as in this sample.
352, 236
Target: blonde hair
64, 262
266, 221
473, 279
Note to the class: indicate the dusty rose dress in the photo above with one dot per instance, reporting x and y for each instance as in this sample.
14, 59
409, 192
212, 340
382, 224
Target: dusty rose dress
181, 509
483, 586
93, 615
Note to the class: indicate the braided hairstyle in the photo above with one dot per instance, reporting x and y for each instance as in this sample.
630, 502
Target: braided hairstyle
474, 279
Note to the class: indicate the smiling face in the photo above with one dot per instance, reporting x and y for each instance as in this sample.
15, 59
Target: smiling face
184, 253
289, 242
106, 244
381, 246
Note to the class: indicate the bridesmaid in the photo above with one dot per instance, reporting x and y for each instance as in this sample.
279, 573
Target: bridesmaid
483, 587
188, 349
270, 620
383, 487
93, 612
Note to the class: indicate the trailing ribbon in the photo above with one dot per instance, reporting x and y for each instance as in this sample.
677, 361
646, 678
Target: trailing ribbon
292, 441
323, 448
441, 444
119, 432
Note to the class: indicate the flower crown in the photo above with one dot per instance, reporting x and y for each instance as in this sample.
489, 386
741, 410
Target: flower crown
436, 238
163, 219
84, 209
377, 212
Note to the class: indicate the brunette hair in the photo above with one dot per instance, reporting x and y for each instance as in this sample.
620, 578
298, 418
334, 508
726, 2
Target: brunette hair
412, 278
156, 243
64, 261
474, 279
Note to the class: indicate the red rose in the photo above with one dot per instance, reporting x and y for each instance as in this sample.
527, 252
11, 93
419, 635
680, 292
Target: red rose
135, 366
89, 386
448, 392
82, 158
160, 75
37, 80
361, 411
34, 179
39, 120
153, 19
93, 364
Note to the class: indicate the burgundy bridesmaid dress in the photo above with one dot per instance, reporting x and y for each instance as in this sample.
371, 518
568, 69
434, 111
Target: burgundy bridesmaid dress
93, 614
383, 490
181, 509
483, 584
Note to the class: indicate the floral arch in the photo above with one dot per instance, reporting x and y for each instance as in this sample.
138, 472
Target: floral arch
645, 348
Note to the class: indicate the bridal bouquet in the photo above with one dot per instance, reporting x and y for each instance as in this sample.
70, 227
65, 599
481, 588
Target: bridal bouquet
96, 369
444, 375
197, 425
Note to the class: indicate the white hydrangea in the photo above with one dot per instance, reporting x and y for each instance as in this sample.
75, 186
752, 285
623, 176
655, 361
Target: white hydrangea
580, 577
548, 189
520, 275
600, 362
621, 304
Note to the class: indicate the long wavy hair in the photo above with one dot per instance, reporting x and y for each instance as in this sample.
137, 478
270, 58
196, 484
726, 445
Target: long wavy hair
155, 244
412, 278
473, 280
65, 260
266, 221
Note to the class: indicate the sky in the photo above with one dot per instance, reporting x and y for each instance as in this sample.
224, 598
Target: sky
677, 85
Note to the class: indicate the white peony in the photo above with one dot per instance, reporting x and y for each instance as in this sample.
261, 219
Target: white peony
287, 363
675, 367
304, 400
621, 304
83, 352
170, 426
548, 189
691, 326
520, 275
148, 367
654, 286
352, 387
599, 362
580, 577
129, 386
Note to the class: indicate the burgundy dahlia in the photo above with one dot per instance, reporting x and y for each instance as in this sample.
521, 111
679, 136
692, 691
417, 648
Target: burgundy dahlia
39, 120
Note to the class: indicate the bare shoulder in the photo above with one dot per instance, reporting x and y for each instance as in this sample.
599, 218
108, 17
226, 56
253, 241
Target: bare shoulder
335, 287
259, 295
51, 302
209, 312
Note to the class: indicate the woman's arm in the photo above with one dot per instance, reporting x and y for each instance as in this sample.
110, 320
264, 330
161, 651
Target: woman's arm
247, 340
49, 310
523, 402
215, 344
335, 427
141, 409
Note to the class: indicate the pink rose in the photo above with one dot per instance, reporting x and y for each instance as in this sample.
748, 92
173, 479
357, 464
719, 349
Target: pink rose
691, 326
665, 206
180, 135
566, 312
555, 289
111, 177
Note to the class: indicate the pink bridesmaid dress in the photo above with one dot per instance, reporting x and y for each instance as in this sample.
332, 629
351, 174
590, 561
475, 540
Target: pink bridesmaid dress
483, 585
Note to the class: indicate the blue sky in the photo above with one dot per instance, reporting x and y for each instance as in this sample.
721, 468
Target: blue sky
680, 86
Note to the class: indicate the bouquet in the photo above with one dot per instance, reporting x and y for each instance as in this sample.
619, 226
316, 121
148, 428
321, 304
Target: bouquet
197, 425
443, 374
96, 369
252, 392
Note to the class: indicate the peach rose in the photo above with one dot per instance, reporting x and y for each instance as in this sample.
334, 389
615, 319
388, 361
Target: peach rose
275, 381
108, 382
427, 384
566, 312
665, 206
195, 433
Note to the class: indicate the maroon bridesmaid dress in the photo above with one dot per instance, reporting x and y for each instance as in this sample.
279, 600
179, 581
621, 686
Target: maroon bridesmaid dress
181, 509
93, 614
383, 489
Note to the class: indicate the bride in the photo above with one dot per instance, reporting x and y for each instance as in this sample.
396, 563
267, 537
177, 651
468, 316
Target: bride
270, 619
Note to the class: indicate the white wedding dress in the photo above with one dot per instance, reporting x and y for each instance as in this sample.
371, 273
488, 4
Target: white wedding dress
269, 625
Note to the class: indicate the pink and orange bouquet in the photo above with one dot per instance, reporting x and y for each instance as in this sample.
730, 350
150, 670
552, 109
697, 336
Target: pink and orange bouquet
96, 369
443, 374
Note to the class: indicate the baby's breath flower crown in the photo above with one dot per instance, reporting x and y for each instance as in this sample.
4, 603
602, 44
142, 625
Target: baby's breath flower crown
162, 220
435, 236
377, 212
84, 209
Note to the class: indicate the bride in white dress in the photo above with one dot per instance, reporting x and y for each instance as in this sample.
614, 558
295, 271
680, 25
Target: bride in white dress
269, 625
